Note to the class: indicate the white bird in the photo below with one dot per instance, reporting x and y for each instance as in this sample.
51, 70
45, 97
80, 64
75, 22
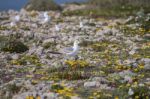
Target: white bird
15, 20
130, 92
46, 18
69, 51
72, 51
45, 14
12, 24
81, 24
57, 28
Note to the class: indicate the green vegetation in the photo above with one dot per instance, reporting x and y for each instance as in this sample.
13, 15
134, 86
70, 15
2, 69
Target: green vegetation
10, 44
3, 28
33, 59
72, 72
49, 45
115, 8
42, 5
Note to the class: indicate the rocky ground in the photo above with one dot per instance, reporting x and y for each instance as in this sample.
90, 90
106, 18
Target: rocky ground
113, 58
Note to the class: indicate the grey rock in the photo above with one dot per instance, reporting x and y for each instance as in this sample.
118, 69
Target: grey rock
15, 56
147, 63
91, 84
100, 79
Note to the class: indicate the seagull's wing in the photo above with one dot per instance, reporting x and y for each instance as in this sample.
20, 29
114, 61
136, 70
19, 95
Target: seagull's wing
68, 50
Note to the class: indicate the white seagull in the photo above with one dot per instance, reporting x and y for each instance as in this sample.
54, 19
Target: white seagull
57, 28
130, 92
72, 51
15, 20
81, 24
46, 18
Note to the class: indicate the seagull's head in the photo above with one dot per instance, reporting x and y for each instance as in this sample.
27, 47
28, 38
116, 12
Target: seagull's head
76, 42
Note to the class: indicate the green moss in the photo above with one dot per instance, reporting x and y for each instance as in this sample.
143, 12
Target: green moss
141, 92
59, 20
99, 47
73, 71
102, 94
56, 87
69, 74
13, 88
49, 45
77, 63
144, 52
121, 93
2, 39
3, 28
15, 46
75, 75
142, 20
86, 43
33, 59
10, 44
26, 28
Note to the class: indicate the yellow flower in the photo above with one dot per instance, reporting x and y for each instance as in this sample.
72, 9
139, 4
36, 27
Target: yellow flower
27, 97
120, 86
97, 29
68, 94
142, 75
135, 83
136, 97
128, 85
29, 76
94, 93
71, 88
142, 30
38, 97
80, 63
35, 81
91, 97
66, 89
147, 97
60, 91
44, 78
136, 70
102, 72
110, 26
116, 97
141, 66
97, 96
31, 97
